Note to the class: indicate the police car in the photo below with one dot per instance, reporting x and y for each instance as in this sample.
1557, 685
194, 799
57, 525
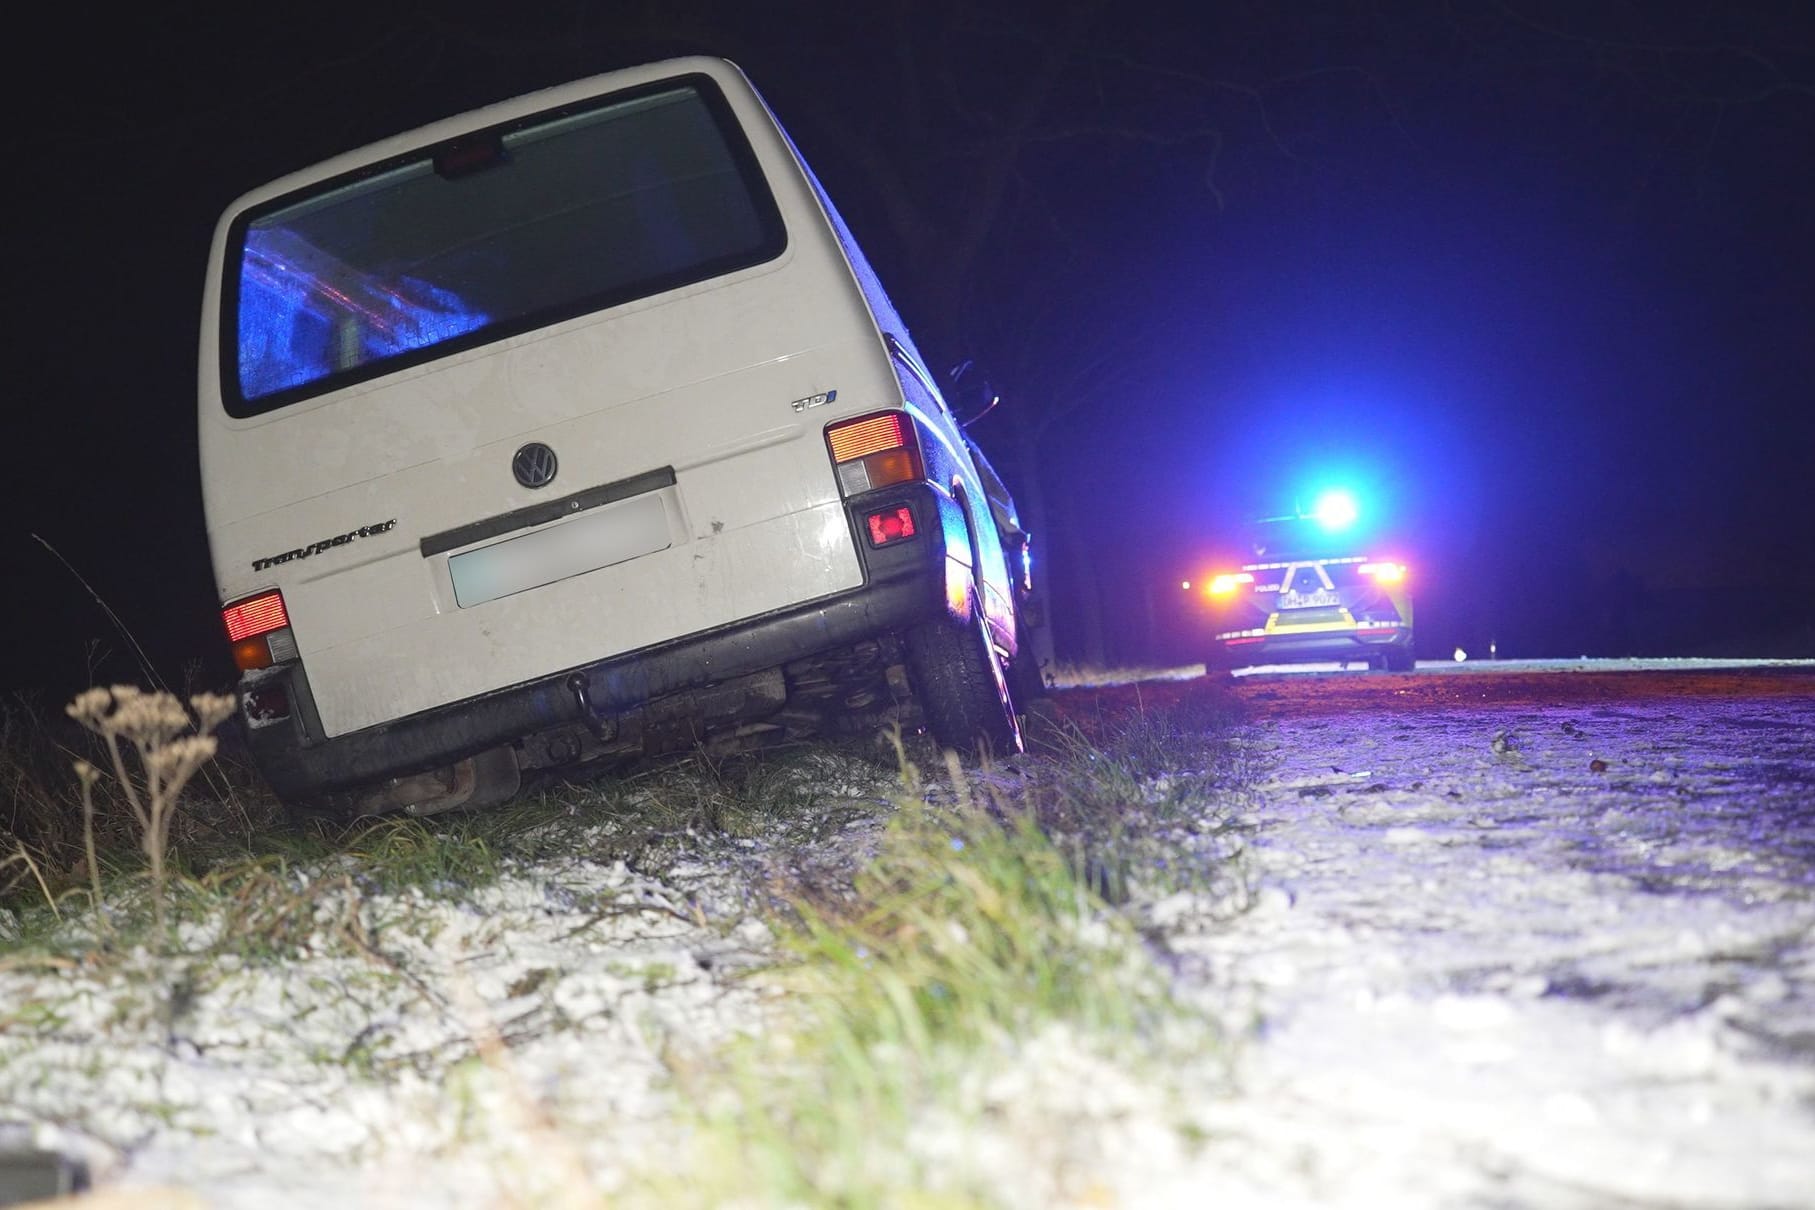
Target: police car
1313, 592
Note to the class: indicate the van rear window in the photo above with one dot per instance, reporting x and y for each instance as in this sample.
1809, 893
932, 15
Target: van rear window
495, 234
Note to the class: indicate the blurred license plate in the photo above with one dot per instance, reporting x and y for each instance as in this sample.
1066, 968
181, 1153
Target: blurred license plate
1308, 600
612, 534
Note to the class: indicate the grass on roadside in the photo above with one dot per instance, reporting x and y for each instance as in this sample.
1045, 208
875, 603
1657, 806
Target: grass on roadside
922, 1011
233, 874
946, 994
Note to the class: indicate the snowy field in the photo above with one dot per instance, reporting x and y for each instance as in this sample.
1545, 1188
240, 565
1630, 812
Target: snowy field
1521, 936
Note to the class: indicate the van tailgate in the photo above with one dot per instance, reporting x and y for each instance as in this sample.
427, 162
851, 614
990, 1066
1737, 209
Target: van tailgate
735, 519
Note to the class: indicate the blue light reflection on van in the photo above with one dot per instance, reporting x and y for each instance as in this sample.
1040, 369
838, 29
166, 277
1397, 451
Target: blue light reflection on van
304, 315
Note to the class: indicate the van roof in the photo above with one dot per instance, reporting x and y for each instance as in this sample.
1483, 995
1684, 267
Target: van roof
496, 113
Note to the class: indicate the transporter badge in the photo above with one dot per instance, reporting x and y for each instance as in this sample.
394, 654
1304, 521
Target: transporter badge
315, 548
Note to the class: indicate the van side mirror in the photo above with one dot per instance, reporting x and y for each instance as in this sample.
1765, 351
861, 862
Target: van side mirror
969, 393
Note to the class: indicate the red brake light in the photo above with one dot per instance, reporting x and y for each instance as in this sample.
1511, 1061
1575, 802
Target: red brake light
890, 525
255, 616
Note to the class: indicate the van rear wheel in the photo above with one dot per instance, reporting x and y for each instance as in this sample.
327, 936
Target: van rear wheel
962, 687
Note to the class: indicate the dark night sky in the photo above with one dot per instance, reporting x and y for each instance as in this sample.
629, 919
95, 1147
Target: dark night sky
1540, 276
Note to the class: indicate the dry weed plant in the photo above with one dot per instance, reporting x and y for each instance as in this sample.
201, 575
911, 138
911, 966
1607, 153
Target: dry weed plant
170, 748
22, 856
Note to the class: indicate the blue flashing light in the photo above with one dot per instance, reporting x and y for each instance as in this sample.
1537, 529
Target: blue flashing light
1335, 510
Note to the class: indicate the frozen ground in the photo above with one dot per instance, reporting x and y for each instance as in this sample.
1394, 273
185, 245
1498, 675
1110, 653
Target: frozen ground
1542, 940
1524, 937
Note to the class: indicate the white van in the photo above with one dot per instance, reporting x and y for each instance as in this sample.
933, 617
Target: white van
575, 428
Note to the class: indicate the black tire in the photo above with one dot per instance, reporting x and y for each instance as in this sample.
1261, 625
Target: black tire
962, 687
1398, 659
1218, 664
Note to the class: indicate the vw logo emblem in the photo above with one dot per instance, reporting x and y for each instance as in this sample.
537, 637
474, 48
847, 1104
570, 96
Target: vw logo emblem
534, 465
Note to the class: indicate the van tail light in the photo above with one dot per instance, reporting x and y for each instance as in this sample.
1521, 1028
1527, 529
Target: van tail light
258, 628
1383, 573
875, 451
1223, 585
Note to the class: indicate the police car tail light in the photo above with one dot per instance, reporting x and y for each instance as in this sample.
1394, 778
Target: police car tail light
1226, 584
1383, 573
874, 451
259, 630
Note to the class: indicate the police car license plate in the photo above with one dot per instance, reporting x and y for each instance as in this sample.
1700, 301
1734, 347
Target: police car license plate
1323, 597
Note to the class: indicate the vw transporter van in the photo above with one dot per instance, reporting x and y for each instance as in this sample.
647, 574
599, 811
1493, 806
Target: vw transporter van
574, 428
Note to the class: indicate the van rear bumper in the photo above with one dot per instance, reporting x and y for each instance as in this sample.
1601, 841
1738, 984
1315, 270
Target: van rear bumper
904, 585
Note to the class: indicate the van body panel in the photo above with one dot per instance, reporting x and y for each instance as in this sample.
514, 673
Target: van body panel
746, 465
402, 667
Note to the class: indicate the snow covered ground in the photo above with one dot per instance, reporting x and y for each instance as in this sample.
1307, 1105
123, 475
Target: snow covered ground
1557, 951
1520, 938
